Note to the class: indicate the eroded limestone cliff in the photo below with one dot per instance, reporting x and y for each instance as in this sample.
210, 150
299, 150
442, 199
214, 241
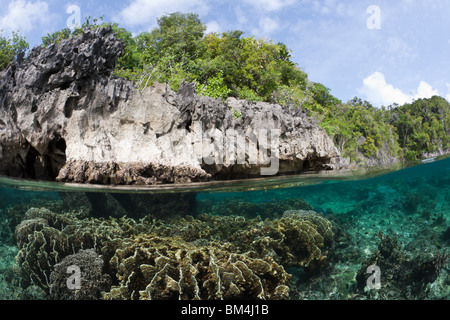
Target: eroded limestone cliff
64, 116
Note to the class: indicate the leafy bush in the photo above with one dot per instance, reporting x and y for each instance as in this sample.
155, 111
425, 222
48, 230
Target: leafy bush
215, 88
11, 47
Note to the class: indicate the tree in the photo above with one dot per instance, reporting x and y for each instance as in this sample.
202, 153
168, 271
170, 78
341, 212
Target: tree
168, 53
180, 35
322, 96
11, 48
222, 65
422, 125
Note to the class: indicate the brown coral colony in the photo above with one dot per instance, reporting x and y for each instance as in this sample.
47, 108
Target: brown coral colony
149, 258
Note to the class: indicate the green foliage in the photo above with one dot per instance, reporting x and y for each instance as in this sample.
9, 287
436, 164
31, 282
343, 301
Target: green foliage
406, 131
57, 36
180, 35
248, 94
11, 47
423, 126
222, 65
216, 88
359, 130
168, 53
368, 147
294, 97
237, 114
252, 68
322, 96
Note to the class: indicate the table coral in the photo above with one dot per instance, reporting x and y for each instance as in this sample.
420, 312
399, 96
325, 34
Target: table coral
206, 257
151, 267
45, 238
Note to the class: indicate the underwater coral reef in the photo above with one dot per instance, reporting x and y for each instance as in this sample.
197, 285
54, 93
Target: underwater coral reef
204, 257
385, 238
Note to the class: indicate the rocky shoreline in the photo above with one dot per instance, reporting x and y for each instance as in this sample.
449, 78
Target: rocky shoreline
64, 116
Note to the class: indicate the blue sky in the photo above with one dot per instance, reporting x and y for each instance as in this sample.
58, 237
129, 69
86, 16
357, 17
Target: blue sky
381, 51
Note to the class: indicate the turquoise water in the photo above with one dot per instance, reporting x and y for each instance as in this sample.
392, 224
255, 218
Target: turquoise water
297, 237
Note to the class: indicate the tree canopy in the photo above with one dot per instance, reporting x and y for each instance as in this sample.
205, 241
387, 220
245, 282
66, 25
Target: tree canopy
222, 65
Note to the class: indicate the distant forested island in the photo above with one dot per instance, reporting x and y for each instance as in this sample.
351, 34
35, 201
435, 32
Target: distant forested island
233, 65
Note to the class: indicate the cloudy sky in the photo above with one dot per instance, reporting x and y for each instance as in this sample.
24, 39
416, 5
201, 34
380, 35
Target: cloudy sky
381, 51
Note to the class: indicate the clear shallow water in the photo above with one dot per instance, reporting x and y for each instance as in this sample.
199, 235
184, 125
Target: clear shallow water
397, 220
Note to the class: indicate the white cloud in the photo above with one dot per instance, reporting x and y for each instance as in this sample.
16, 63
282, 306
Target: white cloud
213, 26
379, 92
425, 91
270, 5
397, 50
145, 12
266, 26
241, 15
24, 15
262, 17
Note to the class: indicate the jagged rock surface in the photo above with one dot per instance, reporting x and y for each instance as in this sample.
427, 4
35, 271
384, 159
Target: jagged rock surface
65, 116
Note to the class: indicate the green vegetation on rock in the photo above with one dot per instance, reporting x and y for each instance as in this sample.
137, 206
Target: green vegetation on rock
11, 48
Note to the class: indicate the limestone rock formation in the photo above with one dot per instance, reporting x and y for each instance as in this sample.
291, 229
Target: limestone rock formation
64, 116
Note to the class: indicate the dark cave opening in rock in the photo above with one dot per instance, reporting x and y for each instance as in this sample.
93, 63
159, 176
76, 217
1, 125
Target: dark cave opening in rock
69, 106
46, 166
30, 161
56, 153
